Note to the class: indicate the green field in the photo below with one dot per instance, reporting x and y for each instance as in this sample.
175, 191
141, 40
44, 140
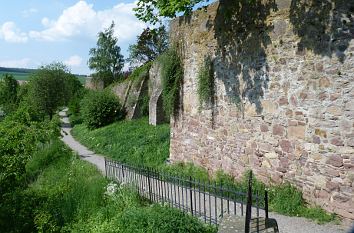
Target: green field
17, 75
25, 74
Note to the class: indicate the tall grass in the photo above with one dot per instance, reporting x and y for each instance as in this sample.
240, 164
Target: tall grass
132, 142
67, 194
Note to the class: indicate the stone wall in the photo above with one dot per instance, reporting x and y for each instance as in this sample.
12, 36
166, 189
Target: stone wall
131, 94
94, 85
156, 112
284, 102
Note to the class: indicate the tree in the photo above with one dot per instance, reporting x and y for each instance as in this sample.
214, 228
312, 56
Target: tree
8, 94
150, 44
105, 59
50, 87
151, 10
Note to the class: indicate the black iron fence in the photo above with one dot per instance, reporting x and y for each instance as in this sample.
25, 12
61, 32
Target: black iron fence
205, 200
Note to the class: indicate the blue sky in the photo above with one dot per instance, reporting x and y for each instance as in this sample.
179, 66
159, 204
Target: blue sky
37, 32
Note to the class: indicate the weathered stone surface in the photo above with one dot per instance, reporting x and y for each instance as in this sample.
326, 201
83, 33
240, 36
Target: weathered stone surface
283, 109
285, 145
156, 112
337, 142
321, 133
278, 130
324, 82
264, 128
349, 106
334, 110
335, 160
271, 155
296, 132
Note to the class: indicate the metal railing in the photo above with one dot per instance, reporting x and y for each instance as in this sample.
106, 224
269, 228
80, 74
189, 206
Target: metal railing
205, 200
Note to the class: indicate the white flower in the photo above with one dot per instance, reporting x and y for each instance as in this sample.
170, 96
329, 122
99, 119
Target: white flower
111, 189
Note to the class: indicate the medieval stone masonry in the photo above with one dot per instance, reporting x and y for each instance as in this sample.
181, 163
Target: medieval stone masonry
284, 95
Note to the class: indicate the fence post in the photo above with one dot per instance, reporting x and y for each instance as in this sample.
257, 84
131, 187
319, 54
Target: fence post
105, 166
249, 205
149, 185
122, 172
191, 193
266, 204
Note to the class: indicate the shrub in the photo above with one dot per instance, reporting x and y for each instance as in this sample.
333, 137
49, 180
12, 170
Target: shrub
172, 76
100, 108
75, 108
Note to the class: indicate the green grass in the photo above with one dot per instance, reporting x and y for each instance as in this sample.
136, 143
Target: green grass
132, 142
17, 75
67, 194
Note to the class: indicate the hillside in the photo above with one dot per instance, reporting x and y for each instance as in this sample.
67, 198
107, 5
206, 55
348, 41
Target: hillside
23, 73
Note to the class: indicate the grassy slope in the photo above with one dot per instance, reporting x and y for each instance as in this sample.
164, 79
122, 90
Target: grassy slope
73, 199
134, 142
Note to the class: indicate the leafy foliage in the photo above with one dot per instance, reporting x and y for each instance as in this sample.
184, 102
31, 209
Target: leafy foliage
19, 139
106, 59
100, 108
8, 94
206, 83
152, 10
150, 44
74, 107
172, 77
50, 87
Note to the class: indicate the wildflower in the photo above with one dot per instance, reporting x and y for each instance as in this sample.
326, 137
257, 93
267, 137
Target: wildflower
111, 189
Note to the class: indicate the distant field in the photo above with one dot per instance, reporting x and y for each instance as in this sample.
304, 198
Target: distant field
17, 75
25, 74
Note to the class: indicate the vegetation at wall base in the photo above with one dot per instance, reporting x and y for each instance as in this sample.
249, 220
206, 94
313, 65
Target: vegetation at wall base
139, 144
172, 78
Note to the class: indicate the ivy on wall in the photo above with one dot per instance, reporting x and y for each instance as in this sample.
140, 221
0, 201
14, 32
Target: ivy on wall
206, 85
172, 76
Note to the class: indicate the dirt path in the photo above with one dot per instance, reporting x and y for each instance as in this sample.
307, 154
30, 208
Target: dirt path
286, 224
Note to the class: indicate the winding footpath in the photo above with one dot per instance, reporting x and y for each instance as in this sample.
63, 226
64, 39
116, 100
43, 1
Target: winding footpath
286, 224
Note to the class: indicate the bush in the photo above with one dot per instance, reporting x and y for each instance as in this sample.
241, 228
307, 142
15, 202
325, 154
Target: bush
99, 108
74, 111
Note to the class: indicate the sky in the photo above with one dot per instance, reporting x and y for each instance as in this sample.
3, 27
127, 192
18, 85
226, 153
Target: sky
37, 32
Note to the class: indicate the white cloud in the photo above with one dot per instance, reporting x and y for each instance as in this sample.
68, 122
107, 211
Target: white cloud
82, 19
10, 33
27, 13
21, 63
73, 61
